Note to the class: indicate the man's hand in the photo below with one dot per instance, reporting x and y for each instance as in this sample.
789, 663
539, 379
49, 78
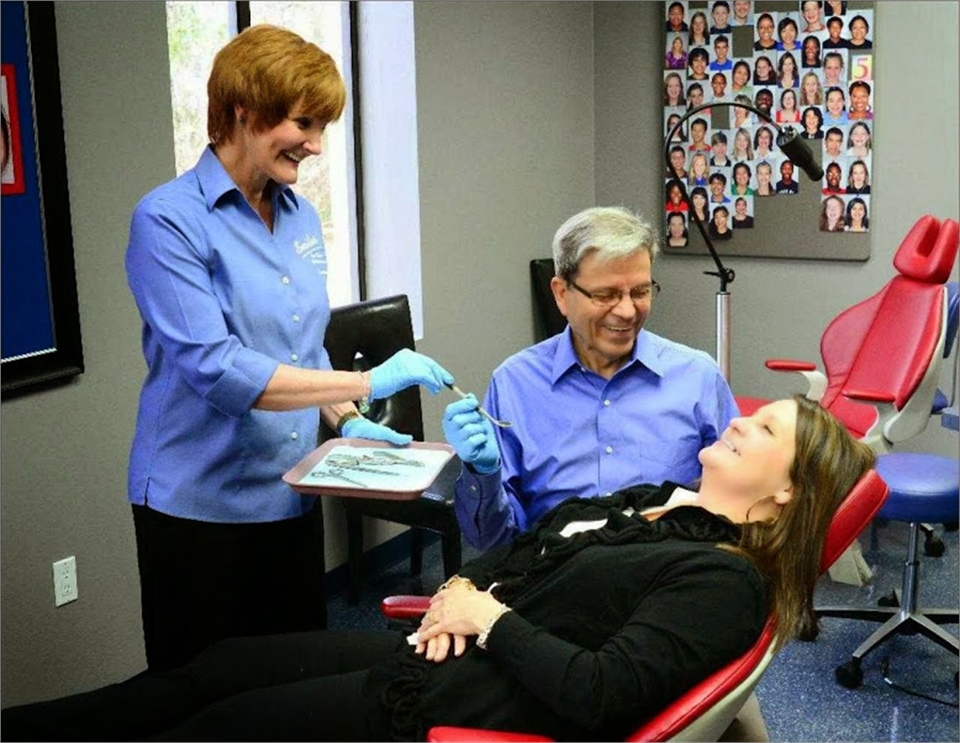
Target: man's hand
471, 435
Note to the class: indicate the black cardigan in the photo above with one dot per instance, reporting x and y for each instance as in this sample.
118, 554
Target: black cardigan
607, 627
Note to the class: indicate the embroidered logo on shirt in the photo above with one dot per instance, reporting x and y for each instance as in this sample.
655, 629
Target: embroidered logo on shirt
308, 243
310, 248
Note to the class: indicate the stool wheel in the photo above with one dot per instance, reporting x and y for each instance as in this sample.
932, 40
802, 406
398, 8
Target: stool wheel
933, 545
889, 600
850, 674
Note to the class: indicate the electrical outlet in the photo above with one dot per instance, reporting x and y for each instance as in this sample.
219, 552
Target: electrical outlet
65, 581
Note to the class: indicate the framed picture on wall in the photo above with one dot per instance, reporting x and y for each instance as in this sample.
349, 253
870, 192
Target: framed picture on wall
41, 341
809, 67
12, 160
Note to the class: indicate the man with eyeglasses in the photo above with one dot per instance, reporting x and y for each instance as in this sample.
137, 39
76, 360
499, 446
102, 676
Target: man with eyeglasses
595, 408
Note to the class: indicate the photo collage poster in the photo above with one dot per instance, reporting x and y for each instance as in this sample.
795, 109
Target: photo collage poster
810, 68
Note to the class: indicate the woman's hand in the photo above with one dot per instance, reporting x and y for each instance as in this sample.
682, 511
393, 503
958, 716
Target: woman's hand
455, 613
437, 648
405, 369
364, 428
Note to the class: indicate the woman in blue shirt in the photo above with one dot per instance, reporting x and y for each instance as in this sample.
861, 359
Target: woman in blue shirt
228, 269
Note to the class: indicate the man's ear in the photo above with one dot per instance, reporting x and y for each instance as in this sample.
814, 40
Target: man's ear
560, 289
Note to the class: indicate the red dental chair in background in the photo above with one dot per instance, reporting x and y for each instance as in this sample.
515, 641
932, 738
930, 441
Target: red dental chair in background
882, 357
705, 711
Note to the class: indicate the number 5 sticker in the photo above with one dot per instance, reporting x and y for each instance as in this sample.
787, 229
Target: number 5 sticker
861, 67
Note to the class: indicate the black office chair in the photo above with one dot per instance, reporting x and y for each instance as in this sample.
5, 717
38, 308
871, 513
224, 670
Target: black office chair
359, 337
547, 320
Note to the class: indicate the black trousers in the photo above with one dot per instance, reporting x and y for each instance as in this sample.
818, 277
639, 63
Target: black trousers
201, 582
297, 686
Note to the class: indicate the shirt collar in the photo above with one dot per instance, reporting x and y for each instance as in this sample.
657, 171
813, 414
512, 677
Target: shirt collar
215, 181
643, 353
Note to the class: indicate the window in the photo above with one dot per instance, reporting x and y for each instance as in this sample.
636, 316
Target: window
195, 31
391, 180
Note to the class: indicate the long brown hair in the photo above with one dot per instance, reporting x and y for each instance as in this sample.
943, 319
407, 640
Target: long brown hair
789, 549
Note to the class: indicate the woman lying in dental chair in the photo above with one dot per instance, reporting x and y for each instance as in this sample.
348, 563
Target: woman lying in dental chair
605, 612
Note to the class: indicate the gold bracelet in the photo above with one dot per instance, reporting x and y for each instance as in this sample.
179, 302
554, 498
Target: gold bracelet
485, 633
348, 416
457, 581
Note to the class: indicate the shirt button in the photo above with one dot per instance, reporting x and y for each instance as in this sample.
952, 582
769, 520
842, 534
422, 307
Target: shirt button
285, 279
293, 435
294, 357
609, 450
473, 488
606, 403
296, 318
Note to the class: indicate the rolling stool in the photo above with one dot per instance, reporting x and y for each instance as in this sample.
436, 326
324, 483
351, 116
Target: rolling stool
923, 488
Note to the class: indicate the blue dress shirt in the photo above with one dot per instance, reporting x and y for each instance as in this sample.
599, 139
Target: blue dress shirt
223, 302
575, 433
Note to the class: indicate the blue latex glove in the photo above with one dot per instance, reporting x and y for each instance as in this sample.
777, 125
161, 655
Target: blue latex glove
405, 369
364, 428
471, 435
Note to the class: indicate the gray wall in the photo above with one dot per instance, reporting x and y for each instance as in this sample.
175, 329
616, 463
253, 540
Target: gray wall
505, 115
64, 452
527, 112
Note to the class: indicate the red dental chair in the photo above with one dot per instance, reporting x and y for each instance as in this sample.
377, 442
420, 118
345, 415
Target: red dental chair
705, 711
882, 356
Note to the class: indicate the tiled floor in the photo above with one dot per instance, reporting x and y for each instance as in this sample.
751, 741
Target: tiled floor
798, 695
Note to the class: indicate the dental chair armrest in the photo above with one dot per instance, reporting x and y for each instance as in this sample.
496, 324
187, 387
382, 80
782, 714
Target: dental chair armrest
886, 410
816, 380
448, 734
871, 396
404, 607
789, 365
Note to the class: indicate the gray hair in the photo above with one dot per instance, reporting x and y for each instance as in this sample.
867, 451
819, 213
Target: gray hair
613, 232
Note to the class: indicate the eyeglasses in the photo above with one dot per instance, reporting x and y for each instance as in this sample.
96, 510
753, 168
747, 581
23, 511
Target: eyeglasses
611, 297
